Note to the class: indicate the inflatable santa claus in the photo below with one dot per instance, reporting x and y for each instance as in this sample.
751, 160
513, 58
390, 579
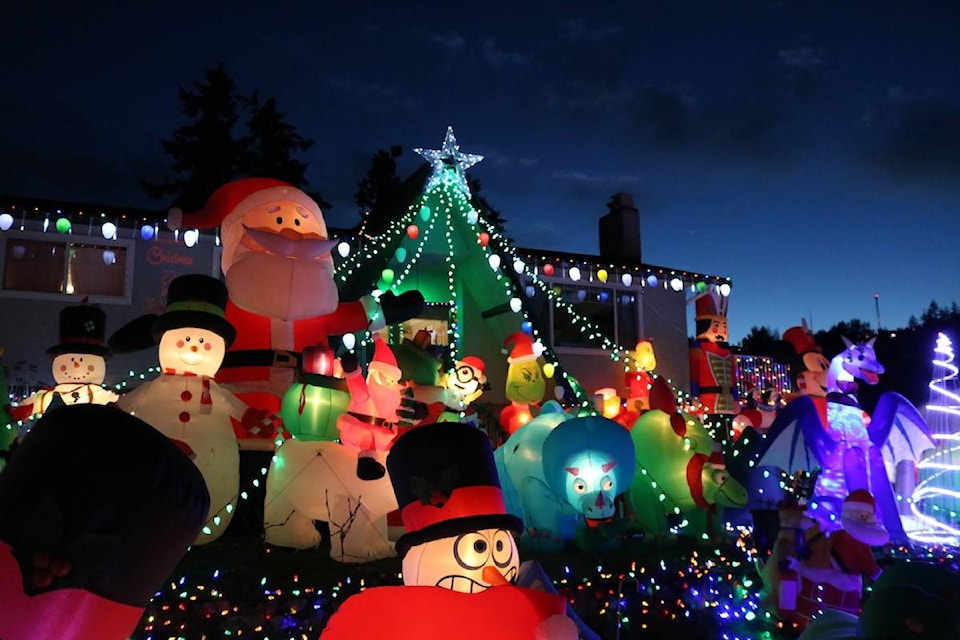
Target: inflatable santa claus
279, 274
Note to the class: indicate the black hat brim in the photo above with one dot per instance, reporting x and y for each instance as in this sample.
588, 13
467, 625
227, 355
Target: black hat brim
457, 526
199, 319
136, 335
80, 347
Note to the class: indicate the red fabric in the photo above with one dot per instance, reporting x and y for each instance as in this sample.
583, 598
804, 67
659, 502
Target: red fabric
462, 503
64, 614
703, 376
433, 613
253, 330
855, 556
815, 598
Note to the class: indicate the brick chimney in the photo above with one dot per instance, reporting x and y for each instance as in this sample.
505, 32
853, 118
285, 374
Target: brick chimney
620, 230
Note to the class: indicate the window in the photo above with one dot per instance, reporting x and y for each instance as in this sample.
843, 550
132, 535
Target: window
435, 319
54, 267
612, 311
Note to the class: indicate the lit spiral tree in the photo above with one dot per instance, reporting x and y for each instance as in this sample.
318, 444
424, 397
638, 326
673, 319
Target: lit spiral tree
936, 499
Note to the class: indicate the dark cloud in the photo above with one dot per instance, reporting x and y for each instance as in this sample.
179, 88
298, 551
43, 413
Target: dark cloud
577, 30
922, 144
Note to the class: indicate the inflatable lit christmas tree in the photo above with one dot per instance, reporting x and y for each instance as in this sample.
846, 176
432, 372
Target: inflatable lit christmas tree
936, 499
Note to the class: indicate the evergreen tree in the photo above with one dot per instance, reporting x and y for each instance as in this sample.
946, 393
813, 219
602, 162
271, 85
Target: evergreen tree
378, 191
268, 148
209, 152
760, 341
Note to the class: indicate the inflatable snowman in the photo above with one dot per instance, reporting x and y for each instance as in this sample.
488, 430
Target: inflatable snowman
79, 365
460, 559
184, 402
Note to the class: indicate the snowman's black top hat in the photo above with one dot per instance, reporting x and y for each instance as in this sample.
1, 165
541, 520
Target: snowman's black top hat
196, 300
82, 330
446, 484
193, 300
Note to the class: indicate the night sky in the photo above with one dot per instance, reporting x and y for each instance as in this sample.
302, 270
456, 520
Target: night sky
810, 151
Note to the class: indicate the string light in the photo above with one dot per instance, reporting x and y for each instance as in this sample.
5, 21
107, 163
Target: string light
936, 499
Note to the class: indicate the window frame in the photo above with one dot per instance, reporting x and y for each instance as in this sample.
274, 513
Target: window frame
66, 240
616, 290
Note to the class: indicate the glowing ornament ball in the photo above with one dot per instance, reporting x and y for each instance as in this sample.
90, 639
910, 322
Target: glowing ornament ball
413, 231
6, 221
63, 225
484, 238
548, 269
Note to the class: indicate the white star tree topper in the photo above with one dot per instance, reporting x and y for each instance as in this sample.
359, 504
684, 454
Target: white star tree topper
449, 163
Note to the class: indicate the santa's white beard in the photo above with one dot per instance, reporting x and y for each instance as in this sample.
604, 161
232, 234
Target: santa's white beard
386, 400
282, 288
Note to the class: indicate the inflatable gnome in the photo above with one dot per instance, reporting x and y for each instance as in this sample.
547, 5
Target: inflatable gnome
459, 556
96, 510
79, 364
279, 273
713, 369
525, 384
369, 425
185, 403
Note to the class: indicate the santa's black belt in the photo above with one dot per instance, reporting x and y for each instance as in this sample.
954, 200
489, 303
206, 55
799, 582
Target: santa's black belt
374, 420
714, 390
261, 358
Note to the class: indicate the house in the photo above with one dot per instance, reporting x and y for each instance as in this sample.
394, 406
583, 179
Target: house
587, 311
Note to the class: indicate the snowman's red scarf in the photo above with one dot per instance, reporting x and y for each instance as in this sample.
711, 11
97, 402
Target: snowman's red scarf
206, 400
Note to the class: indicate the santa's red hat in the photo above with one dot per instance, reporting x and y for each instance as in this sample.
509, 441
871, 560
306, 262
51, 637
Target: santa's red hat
384, 358
858, 518
240, 196
521, 347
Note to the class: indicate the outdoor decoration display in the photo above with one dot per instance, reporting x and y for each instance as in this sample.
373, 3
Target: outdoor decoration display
561, 473
310, 479
681, 479
780, 581
913, 600
185, 403
424, 393
808, 366
464, 385
311, 406
833, 565
854, 451
273, 233
79, 364
370, 422
637, 383
459, 555
935, 501
759, 412
713, 369
525, 385
96, 510
315, 480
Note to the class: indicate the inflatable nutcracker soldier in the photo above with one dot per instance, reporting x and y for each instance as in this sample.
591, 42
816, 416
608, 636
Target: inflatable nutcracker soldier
713, 369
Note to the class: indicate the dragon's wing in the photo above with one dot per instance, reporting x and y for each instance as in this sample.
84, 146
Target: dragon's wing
796, 438
897, 427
